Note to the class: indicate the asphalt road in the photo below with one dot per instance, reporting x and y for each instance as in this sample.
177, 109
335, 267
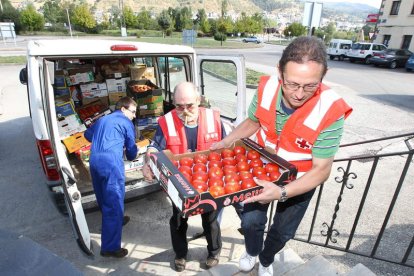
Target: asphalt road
28, 210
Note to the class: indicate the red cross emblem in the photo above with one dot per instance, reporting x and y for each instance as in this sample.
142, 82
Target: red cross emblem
303, 144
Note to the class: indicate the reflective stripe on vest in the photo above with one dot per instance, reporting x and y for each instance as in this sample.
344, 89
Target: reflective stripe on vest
170, 125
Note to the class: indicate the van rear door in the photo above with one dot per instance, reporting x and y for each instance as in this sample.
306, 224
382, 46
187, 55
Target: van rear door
223, 83
70, 190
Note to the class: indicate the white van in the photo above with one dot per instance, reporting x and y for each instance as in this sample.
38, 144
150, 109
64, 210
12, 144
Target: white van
338, 48
66, 77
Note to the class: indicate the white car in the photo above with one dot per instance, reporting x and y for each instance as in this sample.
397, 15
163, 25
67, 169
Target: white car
363, 51
253, 39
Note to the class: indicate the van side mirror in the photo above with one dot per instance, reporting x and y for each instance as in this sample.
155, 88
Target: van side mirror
23, 76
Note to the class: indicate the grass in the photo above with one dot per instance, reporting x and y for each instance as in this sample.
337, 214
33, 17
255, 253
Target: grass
13, 60
228, 71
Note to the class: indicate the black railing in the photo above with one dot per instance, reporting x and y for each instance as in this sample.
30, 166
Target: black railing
371, 212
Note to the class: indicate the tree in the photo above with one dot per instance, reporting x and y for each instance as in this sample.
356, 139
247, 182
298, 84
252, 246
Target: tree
53, 12
82, 18
164, 21
129, 18
204, 24
10, 14
31, 20
144, 19
115, 19
295, 29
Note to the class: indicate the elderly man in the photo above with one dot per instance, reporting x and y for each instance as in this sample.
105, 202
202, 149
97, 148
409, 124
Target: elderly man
189, 128
302, 120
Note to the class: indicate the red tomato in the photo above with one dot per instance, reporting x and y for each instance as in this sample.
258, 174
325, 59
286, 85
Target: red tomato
200, 175
215, 181
231, 177
243, 166
215, 163
214, 156
187, 176
241, 157
217, 191
270, 167
263, 177
175, 162
274, 175
186, 161
215, 172
256, 163
232, 187
245, 175
199, 167
185, 169
239, 150
227, 153
200, 158
248, 183
229, 169
200, 185
229, 161
258, 171
252, 154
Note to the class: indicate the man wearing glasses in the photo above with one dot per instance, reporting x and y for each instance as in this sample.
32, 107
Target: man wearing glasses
189, 128
110, 136
302, 120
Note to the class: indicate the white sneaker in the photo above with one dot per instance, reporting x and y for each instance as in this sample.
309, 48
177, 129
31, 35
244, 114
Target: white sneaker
246, 262
265, 271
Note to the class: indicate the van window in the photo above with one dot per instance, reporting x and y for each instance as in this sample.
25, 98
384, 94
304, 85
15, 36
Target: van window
344, 46
219, 80
357, 46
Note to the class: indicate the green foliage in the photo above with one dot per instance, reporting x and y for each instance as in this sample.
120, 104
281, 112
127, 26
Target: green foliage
220, 36
145, 21
82, 18
224, 25
31, 20
53, 12
295, 29
130, 19
164, 21
10, 14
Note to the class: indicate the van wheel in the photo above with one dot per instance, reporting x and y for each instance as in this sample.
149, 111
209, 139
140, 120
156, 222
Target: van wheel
366, 61
351, 60
331, 57
393, 64
341, 57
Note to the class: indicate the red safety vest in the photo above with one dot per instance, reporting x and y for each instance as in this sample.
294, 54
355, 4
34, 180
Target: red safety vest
302, 128
209, 130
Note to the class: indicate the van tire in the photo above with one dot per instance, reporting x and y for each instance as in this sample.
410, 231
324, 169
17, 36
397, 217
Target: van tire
351, 60
341, 57
331, 57
393, 64
366, 60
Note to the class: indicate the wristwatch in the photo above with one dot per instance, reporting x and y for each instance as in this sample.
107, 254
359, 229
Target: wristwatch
283, 194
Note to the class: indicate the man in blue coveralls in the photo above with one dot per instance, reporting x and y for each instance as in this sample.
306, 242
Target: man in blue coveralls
110, 135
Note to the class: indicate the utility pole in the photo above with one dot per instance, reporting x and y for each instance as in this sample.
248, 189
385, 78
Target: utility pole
70, 26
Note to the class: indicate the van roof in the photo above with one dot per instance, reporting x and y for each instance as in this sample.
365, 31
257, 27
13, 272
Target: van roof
82, 47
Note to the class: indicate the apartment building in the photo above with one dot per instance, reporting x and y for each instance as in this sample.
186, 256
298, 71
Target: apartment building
396, 24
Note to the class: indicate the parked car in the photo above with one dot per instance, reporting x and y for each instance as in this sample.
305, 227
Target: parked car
338, 48
253, 39
409, 66
391, 58
363, 51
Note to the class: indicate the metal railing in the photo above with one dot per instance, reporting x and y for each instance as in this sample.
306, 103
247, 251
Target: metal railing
373, 214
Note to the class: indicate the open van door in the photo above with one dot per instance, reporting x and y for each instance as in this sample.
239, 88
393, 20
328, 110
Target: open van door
70, 190
222, 80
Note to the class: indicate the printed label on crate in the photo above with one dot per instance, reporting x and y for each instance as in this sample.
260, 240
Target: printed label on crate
65, 109
173, 194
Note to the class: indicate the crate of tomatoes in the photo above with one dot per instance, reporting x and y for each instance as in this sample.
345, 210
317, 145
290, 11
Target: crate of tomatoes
203, 181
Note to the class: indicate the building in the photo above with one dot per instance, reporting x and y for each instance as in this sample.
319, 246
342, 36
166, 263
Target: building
396, 24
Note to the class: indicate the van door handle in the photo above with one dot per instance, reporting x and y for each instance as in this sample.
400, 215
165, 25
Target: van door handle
72, 179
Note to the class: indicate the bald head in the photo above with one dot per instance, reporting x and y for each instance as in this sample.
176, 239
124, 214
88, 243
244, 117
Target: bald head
185, 89
186, 101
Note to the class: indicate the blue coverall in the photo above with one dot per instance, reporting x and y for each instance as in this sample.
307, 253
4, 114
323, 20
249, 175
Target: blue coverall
110, 135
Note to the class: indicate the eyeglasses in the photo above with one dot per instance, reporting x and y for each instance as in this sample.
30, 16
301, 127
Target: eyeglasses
312, 87
182, 107
132, 111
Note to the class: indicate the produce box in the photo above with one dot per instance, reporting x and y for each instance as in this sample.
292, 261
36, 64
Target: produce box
190, 201
92, 109
142, 88
117, 85
149, 100
70, 125
151, 106
91, 120
75, 142
114, 97
92, 90
64, 109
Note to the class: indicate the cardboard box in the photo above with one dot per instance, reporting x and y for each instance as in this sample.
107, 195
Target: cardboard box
151, 106
92, 109
92, 119
135, 164
64, 109
75, 142
117, 85
150, 113
70, 125
153, 90
189, 201
93, 90
103, 100
80, 78
114, 97
59, 81
149, 99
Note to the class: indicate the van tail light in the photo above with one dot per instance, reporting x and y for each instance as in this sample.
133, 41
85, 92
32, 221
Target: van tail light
48, 160
123, 47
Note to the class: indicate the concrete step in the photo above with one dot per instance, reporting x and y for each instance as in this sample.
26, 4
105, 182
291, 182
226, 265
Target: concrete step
317, 266
360, 270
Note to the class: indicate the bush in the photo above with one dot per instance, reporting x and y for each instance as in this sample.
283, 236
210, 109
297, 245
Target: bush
220, 36
168, 32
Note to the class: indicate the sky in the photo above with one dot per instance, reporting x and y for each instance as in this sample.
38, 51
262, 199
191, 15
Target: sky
373, 3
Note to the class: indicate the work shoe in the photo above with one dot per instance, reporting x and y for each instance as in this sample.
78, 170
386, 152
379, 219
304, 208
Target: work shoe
265, 271
125, 220
247, 262
179, 264
120, 253
212, 261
